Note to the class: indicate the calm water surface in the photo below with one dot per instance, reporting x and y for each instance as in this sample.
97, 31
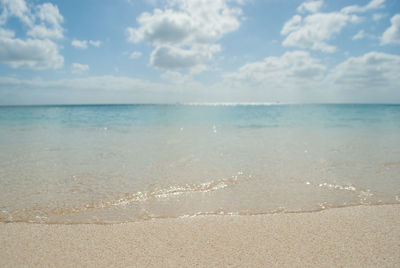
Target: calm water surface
118, 163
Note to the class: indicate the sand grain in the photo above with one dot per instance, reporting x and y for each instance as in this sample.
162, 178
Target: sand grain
356, 236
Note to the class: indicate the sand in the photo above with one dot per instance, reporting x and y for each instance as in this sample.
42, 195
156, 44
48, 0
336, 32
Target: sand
356, 236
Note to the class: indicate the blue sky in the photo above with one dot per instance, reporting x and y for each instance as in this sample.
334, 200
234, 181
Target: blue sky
168, 51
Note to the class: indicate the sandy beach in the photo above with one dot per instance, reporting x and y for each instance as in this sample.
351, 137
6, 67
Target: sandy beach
355, 236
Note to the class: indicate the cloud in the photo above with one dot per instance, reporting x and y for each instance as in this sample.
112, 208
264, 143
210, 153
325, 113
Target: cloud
50, 22
5, 33
177, 78
176, 58
18, 9
31, 53
43, 21
135, 55
111, 83
79, 44
95, 43
93, 89
378, 16
83, 44
38, 51
315, 30
292, 70
42, 31
296, 76
162, 27
311, 6
392, 34
374, 70
185, 32
77, 68
361, 34
374, 4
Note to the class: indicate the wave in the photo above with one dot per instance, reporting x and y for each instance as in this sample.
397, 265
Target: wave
365, 197
362, 194
222, 212
38, 215
174, 190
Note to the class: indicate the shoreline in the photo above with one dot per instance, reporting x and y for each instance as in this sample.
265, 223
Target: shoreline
351, 236
217, 213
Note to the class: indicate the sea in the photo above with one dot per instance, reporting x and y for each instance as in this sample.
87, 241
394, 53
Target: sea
100, 164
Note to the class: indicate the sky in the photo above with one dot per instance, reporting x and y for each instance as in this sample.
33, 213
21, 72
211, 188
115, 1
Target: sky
179, 51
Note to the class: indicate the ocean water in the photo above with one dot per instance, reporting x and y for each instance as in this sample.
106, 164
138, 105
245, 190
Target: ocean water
121, 163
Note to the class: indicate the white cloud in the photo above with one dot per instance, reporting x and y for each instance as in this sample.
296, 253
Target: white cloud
292, 25
184, 26
95, 43
180, 79
162, 27
295, 69
83, 44
77, 68
311, 6
176, 58
292, 77
298, 77
31, 53
42, 31
135, 55
315, 30
18, 9
43, 23
50, 22
392, 34
361, 34
374, 4
372, 71
50, 14
79, 44
5, 33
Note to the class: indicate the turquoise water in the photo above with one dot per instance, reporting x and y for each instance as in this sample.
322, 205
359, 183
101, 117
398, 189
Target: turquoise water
251, 116
118, 163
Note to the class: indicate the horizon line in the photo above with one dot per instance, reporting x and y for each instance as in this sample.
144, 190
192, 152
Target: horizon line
204, 104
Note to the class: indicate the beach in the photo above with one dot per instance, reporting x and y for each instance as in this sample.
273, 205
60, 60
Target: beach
199, 133
361, 236
199, 185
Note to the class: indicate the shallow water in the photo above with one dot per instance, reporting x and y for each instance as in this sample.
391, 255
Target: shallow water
118, 163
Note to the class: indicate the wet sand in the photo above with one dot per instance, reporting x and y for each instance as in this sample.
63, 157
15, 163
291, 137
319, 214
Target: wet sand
356, 236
